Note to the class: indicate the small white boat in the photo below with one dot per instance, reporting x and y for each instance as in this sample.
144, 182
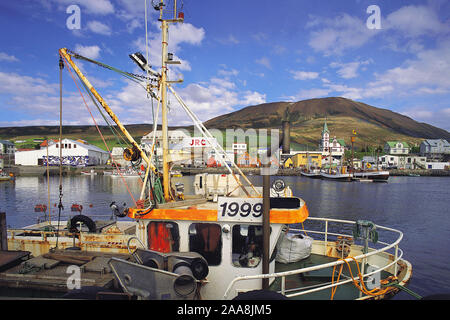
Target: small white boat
126, 173
89, 173
314, 174
338, 175
372, 175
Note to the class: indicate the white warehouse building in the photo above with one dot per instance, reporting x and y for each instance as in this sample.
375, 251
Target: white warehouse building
76, 153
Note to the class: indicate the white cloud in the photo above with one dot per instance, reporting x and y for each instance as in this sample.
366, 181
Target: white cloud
265, 62
228, 40
343, 32
15, 84
133, 24
414, 21
304, 75
227, 73
428, 72
349, 70
178, 34
253, 98
101, 7
439, 118
98, 27
7, 57
419, 114
310, 94
92, 52
335, 35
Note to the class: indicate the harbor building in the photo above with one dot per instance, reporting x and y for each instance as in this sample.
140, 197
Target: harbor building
183, 149
396, 148
77, 153
403, 162
438, 165
302, 158
7, 149
435, 148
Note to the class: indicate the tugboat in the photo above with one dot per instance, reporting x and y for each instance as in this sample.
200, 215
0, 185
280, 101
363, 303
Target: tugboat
249, 240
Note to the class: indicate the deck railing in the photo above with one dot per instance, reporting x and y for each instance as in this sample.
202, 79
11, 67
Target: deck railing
398, 253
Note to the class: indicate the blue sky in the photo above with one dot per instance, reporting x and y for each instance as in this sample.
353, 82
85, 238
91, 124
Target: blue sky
234, 54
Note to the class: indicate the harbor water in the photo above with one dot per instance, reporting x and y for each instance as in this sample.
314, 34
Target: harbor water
417, 206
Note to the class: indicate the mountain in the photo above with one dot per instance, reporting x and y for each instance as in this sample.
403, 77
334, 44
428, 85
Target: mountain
374, 126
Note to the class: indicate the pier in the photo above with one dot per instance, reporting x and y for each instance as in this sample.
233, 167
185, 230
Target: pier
42, 171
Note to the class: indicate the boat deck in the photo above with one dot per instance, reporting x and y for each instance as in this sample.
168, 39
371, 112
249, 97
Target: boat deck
300, 282
47, 276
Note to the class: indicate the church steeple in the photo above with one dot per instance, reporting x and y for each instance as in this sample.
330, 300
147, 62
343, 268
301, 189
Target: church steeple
325, 127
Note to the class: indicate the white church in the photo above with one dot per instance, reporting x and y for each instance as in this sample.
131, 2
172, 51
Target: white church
336, 146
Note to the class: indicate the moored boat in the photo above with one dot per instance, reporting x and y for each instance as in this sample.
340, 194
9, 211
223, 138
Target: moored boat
338, 174
227, 241
314, 173
374, 175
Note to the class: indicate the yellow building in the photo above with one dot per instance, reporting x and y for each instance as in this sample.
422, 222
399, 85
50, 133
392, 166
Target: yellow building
301, 159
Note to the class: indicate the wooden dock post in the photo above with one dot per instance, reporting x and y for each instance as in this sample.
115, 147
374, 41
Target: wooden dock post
3, 232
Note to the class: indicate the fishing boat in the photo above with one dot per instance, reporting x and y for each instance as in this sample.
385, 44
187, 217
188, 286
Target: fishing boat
374, 175
312, 173
338, 174
6, 177
243, 242
309, 171
89, 173
125, 172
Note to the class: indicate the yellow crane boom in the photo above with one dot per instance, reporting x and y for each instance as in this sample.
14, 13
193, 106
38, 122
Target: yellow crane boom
63, 52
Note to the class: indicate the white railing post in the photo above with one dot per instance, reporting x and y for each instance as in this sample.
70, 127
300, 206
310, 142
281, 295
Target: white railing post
363, 258
395, 259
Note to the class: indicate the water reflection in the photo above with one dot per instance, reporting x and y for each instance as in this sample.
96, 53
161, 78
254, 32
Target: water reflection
419, 207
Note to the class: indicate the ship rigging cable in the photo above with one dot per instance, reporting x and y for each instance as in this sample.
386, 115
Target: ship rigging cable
60, 206
98, 129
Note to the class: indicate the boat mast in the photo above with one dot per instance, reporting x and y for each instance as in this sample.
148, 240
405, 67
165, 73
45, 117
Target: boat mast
164, 82
165, 138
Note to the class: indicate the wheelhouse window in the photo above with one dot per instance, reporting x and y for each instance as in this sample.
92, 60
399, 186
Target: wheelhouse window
247, 245
206, 239
163, 236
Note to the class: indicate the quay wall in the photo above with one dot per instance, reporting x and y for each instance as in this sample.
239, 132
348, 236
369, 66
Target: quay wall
42, 171
296, 171
53, 170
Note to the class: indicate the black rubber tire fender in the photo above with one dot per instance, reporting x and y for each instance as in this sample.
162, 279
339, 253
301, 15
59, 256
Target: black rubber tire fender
88, 222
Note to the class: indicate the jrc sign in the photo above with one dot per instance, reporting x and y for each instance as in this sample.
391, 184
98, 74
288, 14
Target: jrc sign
196, 142
240, 209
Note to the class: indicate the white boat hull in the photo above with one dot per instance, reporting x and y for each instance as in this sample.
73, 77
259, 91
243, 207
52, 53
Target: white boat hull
314, 175
372, 175
337, 177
